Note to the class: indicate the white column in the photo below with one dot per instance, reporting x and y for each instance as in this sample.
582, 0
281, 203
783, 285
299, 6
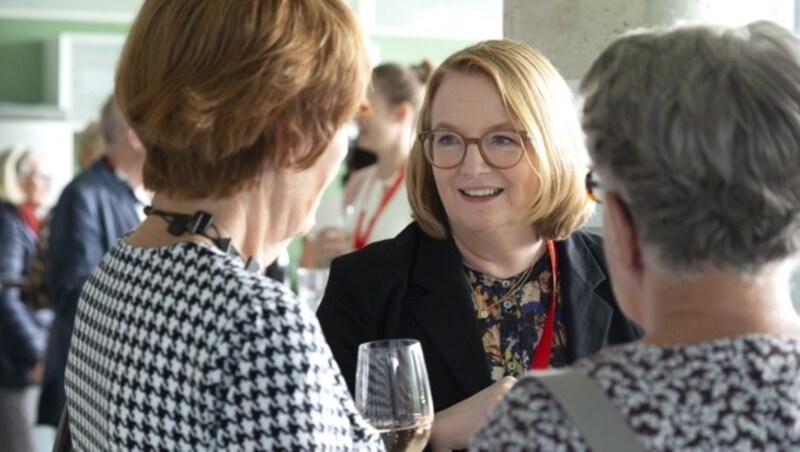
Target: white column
573, 32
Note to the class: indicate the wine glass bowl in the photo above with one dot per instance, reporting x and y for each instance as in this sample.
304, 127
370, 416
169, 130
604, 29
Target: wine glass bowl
311, 284
393, 393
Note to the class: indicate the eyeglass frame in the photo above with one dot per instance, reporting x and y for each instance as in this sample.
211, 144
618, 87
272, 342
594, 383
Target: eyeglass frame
524, 136
593, 187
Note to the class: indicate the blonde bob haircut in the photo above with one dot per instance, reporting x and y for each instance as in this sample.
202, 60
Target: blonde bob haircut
538, 101
218, 91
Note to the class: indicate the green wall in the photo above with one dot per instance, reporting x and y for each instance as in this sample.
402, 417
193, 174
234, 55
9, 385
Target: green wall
22, 52
22, 49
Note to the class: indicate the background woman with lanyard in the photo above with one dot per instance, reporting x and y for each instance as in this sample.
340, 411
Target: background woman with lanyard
493, 277
375, 202
23, 332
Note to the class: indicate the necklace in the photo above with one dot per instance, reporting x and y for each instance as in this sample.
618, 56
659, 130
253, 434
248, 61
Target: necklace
483, 313
199, 223
541, 353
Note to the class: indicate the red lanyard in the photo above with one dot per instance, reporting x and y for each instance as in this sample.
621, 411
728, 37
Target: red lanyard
362, 237
28, 213
541, 356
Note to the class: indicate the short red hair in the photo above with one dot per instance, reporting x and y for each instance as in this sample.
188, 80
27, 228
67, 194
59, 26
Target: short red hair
217, 90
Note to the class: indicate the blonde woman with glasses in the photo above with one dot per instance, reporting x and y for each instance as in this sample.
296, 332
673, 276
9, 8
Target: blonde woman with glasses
494, 277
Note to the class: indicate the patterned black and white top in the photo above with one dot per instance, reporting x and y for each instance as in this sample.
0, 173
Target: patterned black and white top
739, 393
180, 348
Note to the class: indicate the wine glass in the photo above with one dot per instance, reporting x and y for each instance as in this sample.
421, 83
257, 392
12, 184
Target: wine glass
393, 393
311, 284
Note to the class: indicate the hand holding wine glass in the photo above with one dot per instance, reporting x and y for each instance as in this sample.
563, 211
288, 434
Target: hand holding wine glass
456, 425
393, 393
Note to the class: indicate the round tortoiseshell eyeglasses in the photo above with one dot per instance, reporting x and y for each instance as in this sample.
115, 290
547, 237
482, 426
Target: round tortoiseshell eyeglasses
593, 187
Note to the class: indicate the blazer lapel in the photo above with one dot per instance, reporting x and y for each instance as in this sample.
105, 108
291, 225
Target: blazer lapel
587, 315
447, 314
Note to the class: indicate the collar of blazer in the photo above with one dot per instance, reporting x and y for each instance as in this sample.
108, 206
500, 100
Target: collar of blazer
112, 180
587, 313
447, 313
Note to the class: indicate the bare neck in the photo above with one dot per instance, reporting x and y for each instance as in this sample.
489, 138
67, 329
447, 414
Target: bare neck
717, 305
498, 254
238, 218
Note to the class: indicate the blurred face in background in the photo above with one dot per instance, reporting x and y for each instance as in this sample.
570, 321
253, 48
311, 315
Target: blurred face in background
34, 181
90, 145
379, 129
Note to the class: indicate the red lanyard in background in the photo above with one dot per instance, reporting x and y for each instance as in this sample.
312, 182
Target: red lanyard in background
541, 356
360, 236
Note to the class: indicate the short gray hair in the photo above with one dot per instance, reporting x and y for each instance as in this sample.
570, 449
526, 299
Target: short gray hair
112, 123
697, 129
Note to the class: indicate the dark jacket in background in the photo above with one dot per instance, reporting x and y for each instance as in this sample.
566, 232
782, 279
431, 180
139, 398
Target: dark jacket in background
356, 159
94, 210
22, 335
414, 286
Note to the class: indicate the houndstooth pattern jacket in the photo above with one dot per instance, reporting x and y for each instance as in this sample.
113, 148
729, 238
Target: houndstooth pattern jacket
180, 348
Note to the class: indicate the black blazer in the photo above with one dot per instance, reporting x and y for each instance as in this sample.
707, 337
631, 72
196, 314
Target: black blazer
22, 333
414, 286
94, 210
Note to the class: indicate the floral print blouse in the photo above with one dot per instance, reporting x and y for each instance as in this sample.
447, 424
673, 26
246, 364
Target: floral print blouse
511, 330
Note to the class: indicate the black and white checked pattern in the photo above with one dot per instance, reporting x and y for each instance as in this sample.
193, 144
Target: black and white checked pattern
737, 394
180, 348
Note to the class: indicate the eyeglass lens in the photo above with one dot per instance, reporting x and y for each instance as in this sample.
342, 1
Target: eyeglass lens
500, 149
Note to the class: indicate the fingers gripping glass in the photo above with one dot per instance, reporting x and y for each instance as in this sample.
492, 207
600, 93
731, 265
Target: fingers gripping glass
393, 393
500, 149
593, 188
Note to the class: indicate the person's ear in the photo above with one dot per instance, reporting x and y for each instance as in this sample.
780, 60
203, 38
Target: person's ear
622, 226
133, 140
404, 111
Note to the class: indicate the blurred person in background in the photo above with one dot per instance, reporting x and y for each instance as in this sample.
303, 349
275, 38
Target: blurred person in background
181, 342
693, 132
90, 147
494, 276
23, 190
93, 211
375, 203
357, 158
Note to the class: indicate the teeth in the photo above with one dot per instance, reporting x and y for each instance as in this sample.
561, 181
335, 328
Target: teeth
481, 191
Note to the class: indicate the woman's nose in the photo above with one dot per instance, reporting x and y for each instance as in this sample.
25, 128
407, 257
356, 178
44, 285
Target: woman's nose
473, 162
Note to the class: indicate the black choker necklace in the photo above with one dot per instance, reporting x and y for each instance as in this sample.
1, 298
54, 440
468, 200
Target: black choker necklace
200, 223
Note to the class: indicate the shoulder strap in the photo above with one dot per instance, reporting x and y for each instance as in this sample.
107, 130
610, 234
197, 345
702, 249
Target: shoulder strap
602, 426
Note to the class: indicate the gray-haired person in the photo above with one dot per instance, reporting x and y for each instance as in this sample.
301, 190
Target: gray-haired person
694, 133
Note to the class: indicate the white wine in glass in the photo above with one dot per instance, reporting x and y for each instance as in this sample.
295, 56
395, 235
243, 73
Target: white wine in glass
393, 393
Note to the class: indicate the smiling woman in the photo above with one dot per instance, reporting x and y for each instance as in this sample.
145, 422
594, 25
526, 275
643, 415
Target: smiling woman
493, 278
485, 192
